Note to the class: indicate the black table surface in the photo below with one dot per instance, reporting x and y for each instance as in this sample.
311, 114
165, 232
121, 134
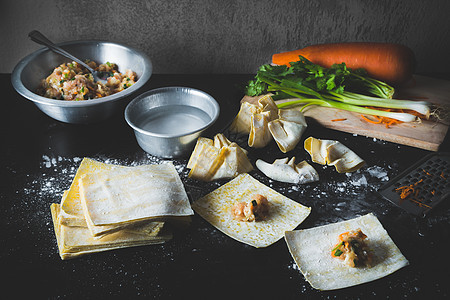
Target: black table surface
39, 157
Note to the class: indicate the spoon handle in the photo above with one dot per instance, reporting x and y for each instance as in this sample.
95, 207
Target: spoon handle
39, 38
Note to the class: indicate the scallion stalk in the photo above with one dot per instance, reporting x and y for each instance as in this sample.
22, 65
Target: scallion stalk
404, 117
311, 84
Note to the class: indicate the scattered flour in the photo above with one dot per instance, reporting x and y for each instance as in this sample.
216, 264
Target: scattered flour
294, 266
378, 172
58, 173
371, 178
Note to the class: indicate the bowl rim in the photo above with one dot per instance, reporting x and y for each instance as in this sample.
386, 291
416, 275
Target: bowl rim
165, 89
30, 95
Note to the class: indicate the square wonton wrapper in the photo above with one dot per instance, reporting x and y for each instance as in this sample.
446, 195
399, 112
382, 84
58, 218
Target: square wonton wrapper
71, 210
72, 214
74, 241
284, 213
132, 194
311, 250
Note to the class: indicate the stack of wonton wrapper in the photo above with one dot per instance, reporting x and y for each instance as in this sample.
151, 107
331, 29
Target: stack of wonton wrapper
110, 206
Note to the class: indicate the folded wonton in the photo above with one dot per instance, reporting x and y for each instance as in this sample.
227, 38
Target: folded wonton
263, 121
288, 128
333, 153
286, 170
218, 158
264, 106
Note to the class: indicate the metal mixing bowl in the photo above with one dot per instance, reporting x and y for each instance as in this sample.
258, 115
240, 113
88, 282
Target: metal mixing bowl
167, 121
29, 72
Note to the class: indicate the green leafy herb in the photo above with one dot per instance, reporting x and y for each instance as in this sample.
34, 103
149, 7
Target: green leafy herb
338, 252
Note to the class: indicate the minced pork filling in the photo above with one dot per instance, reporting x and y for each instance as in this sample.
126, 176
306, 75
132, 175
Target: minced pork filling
71, 81
352, 249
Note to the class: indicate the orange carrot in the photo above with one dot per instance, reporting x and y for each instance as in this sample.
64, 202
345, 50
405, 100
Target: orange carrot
407, 190
337, 120
426, 172
420, 203
388, 122
378, 121
392, 63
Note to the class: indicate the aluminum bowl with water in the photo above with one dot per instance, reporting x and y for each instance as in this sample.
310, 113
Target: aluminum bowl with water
168, 121
29, 72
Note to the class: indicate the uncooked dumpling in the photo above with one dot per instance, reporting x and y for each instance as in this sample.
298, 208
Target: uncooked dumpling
217, 159
286, 170
259, 135
333, 153
288, 128
243, 121
263, 121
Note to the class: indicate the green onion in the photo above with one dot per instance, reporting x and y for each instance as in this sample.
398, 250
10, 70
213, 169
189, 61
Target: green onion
337, 246
404, 117
336, 87
338, 252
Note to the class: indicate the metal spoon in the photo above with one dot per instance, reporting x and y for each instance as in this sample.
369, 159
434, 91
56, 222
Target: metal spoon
39, 38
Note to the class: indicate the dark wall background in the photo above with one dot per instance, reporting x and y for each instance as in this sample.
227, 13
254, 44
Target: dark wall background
227, 36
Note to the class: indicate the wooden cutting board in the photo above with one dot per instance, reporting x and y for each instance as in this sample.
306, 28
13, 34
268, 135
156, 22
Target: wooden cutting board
428, 134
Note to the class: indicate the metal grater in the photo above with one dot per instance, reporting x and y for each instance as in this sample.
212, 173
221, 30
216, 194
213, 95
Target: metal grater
433, 175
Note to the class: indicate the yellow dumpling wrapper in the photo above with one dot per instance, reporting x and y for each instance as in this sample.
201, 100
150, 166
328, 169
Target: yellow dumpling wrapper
133, 194
96, 231
72, 213
284, 213
333, 153
71, 210
311, 249
74, 241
